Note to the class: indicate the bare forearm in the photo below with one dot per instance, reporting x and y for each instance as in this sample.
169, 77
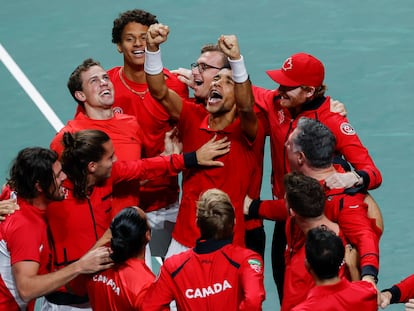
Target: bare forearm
31, 287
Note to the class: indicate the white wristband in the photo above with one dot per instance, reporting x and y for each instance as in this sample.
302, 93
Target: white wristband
238, 70
153, 62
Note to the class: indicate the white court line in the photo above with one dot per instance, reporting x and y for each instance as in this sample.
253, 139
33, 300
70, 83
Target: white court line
38, 99
25, 83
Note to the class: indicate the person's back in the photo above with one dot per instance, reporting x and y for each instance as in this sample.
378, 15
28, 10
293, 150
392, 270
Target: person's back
124, 286
208, 277
343, 296
215, 274
324, 258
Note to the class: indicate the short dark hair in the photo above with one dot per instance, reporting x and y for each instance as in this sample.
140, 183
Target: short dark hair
215, 215
138, 16
32, 166
80, 148
316, 141
324, 252
128, 230
75, 82
304, 195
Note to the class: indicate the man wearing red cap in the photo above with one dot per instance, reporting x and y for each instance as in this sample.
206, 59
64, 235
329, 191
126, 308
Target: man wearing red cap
301, 92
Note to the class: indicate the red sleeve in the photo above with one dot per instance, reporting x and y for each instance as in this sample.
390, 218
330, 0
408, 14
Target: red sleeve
159, 294
350, 146
273, 210
173, 83
251, 278
406, 288
357, 228
263, 97
148, 168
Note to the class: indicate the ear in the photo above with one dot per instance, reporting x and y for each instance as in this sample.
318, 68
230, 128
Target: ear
310, 91
38, 188
79, 95
148, 235
301, 158
119, 48
91, 167
292, 212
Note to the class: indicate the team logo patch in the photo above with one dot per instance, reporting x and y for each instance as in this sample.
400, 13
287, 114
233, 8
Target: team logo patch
287, 65
255, 264
117, 110
347, 129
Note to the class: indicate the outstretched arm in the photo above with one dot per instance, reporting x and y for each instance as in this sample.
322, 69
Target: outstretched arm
243, 88
172, 102
30, 285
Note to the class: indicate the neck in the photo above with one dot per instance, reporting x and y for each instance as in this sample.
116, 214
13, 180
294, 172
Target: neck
99, 113
135, 74
318, 173
39, 202
220, 121
332, 281
306, 224
141, 255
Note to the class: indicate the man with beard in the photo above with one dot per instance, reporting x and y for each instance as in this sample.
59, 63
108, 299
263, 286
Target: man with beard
77, 222
36, 179
228, 113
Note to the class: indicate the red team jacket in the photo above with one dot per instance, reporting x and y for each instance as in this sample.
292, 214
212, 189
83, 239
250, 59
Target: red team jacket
343, 296
298, 281
346, 209
215, 275
75, 225
23, 236
282, 124
403, 291
120, 288
126, 135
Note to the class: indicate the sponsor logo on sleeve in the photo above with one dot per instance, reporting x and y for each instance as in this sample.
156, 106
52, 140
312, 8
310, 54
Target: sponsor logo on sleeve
255, 264
347, 129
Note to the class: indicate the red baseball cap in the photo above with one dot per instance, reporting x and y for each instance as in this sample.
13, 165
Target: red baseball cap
299, 69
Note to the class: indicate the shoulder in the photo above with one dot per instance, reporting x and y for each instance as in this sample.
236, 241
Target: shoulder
113, 71
174, 262
244, 256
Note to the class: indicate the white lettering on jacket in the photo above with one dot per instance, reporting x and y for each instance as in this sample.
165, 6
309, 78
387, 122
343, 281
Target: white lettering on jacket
204, 292
108, 282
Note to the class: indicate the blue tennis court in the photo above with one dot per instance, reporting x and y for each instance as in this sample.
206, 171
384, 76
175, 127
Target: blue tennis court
366, 46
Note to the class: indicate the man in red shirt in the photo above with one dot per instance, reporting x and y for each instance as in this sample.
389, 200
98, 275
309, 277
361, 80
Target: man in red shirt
216, 274
158, 197
324, 257
301, 92
199, 78
36, 178
89, 160
310, 150
228, 113
90, 85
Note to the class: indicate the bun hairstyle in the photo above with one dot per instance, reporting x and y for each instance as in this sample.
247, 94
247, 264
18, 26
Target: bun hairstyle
128, 230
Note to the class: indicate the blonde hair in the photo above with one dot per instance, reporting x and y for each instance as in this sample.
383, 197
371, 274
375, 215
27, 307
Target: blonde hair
215, 215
